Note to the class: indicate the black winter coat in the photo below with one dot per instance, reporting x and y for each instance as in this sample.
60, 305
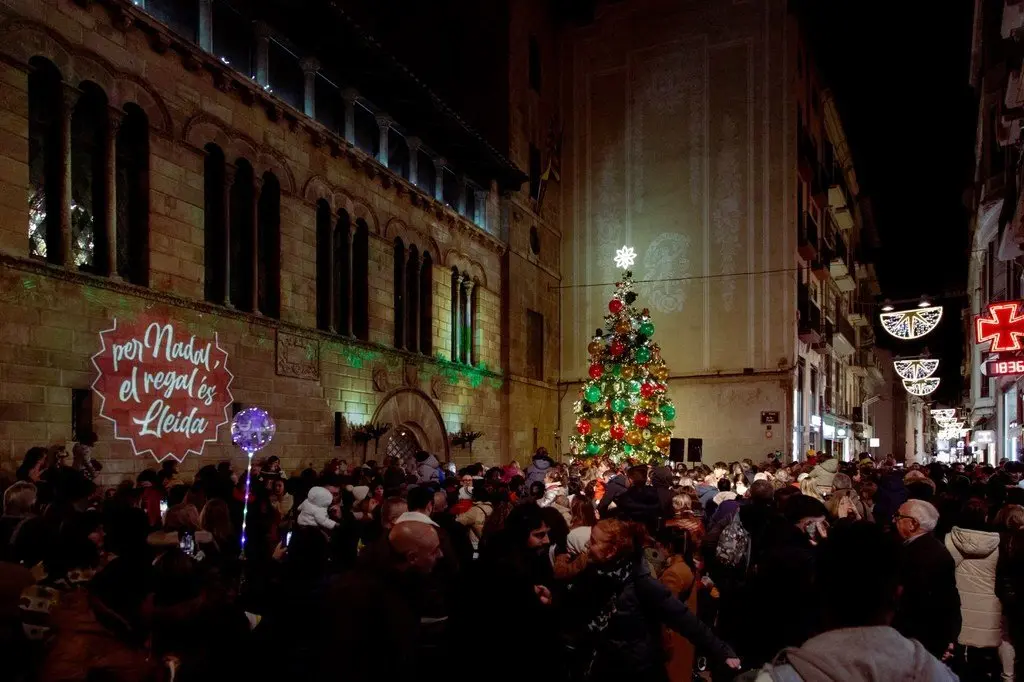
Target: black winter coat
615, 486
929, 608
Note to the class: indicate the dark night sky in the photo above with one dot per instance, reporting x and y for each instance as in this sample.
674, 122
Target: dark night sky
899, 72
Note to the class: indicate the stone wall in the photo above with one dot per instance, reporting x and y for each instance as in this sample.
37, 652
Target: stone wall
51, 315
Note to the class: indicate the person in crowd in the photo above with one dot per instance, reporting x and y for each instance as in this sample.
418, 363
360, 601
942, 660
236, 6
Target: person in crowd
929, 608
379, 602
428, 469
616, 484
82, 460
1010, 581
616, 607
32, 465
857, 642
661, 481
844, 502
640, 502
313, 511
24, 537
683, 519
510, 471
154, 494
476, 515
554, 486
280, 499
216, 518
680, 577
822, 476
539, 466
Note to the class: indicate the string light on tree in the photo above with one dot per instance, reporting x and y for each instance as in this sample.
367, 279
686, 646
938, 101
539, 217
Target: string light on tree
624, 411
918, 368
913, 323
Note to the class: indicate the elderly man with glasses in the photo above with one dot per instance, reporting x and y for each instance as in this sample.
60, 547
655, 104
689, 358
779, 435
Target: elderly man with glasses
929, 608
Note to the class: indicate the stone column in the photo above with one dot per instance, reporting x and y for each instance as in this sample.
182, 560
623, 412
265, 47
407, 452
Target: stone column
384, 125
114, 119
262, 31
469, 286
350, 96
457, 317
414, 144
480, 207
439, 164
229, 180
71, 96
351, 278
310, 66
257, 183
206, 25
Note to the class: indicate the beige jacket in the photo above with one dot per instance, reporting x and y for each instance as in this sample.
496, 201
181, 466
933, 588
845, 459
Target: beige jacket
976, 554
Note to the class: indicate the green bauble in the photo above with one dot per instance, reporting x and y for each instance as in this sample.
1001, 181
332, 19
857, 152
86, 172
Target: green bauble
668, 412
634, 387
592, 394
628, 449
618, 405
647, 329
616, 369
642, 355
593, 448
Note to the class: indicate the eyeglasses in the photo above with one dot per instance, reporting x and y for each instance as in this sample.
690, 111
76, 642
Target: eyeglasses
897, 516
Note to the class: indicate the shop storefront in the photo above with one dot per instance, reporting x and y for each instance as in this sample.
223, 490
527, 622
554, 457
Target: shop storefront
1011, 423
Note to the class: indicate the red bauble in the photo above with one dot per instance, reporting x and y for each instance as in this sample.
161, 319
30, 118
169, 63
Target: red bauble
617, 348
615, 306
647, 390
596, 371
641, 419
617, 432
583, 426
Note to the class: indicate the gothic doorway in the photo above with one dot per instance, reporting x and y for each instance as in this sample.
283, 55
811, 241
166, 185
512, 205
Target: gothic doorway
416, 423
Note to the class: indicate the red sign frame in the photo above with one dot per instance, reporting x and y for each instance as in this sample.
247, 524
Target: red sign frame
167, 392
1002, 324
1002, 368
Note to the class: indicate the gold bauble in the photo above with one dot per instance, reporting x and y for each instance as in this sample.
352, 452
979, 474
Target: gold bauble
627, 372
633, 437
595, 347
661, 372
663, 441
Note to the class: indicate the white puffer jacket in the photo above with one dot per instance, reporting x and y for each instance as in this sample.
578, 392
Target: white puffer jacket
975, 554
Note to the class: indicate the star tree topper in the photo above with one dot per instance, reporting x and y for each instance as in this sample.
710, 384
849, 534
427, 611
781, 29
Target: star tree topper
625, 257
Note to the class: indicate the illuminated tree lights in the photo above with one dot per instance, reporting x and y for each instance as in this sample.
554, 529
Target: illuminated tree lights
915, 369
1002, 324
913, 323
920, 387
624, 411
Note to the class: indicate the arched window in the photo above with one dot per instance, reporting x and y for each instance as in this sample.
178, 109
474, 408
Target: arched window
89, 127
215, 205
412, 298
45, 108
268, 237
324, 266
464, 304
367, 131
398, 153
342, 274
399, 282
425, 172
426, 304
132, 210
241, 246
361, 281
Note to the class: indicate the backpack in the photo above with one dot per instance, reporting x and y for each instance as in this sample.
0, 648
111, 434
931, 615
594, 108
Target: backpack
733, 544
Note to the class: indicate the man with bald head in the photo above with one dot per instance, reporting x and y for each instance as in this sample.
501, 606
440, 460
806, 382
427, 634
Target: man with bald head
929, 607
374, 612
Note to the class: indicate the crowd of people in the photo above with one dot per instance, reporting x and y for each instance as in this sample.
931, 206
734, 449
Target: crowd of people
587, 571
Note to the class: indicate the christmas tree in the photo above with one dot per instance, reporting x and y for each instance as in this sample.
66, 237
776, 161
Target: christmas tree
624, 411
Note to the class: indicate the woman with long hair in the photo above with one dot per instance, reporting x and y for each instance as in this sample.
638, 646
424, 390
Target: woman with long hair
617, 607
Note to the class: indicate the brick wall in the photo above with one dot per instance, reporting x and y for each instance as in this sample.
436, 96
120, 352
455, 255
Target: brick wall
50, 330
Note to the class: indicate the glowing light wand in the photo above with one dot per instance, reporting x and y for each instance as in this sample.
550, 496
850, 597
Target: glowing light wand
252, 429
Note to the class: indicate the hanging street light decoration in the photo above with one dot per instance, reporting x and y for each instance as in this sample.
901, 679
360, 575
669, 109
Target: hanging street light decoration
944, 413
921, 387
918, 368
911, 324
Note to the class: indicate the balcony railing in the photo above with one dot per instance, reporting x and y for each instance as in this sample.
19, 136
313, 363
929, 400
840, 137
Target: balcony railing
810, 328
807, 237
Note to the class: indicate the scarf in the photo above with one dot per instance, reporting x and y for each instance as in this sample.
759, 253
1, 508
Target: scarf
609, 581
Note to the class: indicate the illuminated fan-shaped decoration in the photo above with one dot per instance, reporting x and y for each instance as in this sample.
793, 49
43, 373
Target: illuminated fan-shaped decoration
919, 368
944, 413
921, 386
946, 423
913, 323
952, 434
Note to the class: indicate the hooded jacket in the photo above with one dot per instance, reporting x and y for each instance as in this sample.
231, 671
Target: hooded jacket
975, 554
615, 486
867, 654
427, 472
313, 512
823, 474
536, 472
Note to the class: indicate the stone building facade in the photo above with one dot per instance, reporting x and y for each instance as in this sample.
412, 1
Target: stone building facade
362, 254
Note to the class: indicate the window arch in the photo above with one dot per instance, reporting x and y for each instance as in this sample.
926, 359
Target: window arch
45, 112
241, 248
399, 281
132, 210
88, 208
324, 265
268, 245
426, 304
216, 201
464, 296
412, 297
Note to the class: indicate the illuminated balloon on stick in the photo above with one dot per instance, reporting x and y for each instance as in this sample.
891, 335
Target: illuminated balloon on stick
252, 429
